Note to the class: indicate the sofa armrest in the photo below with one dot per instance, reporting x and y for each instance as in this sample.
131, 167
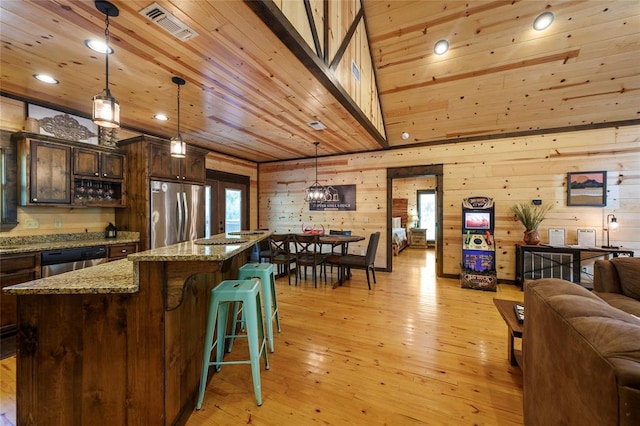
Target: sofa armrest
605, 277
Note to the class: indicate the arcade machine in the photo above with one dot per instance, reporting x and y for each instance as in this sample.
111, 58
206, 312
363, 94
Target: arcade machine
478, 244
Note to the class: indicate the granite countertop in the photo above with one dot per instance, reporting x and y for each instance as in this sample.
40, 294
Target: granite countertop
105, 278
203, 248
14, 245
121, 276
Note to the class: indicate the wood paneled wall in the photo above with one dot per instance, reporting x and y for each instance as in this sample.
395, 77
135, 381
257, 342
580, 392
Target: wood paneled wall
509, 170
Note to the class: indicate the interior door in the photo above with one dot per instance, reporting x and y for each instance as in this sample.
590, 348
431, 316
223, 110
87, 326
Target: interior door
228, 201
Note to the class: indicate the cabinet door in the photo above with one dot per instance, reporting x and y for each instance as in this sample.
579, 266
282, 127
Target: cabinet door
112, 166
50, 173
193, 167
162, 164
15, 269
86, 162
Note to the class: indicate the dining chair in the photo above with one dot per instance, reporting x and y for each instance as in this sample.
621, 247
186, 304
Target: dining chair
344, 248
308, 253
280, 253
366, 262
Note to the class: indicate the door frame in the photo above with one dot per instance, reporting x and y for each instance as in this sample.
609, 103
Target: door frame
213, 179
436, 170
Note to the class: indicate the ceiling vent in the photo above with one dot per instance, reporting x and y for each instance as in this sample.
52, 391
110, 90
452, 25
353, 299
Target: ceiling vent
155, 13
316, 125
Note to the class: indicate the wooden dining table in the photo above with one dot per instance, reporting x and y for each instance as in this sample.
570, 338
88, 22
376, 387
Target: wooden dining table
343, 241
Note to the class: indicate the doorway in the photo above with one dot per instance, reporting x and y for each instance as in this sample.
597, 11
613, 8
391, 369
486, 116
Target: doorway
427, 208
417, 171
228, 202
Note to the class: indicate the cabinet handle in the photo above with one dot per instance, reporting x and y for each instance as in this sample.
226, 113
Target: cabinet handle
35, 200
177, 177
104, 174
97, 174
124, 251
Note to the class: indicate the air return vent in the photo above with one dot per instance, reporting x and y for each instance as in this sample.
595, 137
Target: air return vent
154, 12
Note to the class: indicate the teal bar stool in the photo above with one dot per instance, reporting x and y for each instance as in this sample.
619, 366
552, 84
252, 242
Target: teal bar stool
263, 271
229, 292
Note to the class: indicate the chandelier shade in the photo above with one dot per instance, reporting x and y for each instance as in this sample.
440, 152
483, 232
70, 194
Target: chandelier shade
106, 109
178, 147
316, 193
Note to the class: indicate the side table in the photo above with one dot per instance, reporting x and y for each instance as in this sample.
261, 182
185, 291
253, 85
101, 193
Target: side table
418, 237
514, 328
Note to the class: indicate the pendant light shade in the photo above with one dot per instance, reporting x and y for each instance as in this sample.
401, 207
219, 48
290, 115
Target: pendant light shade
316, 193
178, 146
106, 109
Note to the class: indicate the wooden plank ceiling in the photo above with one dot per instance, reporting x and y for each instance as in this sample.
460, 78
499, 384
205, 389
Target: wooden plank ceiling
249, 96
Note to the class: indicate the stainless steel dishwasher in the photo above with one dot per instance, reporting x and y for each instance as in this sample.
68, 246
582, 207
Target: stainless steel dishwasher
56, 262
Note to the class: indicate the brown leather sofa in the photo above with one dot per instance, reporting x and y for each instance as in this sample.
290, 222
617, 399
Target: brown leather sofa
617, 281
581, 358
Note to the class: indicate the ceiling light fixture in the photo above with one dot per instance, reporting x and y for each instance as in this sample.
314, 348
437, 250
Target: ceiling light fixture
98, 46
316, 193
45, 78
543, 21
178, 146
405, 135
441, 47
106, 109
161, 117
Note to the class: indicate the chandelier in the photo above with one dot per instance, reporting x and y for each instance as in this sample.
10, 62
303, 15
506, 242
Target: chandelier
316, 193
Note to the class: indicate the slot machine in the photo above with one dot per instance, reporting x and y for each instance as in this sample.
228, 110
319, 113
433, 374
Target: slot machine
478, 269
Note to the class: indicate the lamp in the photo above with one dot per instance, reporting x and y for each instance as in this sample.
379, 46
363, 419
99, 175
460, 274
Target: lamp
106, 109
316, 193
178, 147
612, 223
414, 220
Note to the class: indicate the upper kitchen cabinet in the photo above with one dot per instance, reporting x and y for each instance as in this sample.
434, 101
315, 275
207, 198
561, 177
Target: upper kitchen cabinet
44, 169
96, 164
55, 171
165, 167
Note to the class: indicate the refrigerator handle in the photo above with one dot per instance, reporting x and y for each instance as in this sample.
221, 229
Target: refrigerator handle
179, 224
186, 217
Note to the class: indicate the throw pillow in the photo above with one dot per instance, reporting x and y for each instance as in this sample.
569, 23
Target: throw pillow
628, 269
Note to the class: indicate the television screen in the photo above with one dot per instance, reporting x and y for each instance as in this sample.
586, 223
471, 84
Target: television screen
477, 220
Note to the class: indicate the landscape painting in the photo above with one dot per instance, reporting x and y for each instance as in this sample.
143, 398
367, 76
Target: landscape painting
587, 189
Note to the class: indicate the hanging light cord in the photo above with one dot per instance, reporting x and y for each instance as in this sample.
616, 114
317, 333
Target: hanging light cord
106, 38
179, 135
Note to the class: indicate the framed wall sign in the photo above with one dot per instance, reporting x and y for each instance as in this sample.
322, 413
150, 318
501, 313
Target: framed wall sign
341, 198
587, 189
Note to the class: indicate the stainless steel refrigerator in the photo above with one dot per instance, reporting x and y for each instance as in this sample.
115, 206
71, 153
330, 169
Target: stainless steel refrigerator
177, 213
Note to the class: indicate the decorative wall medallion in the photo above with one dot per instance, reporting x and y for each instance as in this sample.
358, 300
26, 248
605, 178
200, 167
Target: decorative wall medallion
64, 126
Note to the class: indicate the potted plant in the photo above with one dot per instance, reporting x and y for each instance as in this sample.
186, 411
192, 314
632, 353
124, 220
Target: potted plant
531, 216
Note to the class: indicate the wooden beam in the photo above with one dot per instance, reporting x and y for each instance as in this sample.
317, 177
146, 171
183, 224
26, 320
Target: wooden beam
347, 39
274, 19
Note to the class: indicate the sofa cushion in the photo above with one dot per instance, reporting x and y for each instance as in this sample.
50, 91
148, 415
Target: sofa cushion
622, 302
628, 269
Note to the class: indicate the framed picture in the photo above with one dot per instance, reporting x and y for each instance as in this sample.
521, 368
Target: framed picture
587, 189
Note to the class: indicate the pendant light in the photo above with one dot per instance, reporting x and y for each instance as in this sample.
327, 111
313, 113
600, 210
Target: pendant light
178, 147
316, 193
106, 109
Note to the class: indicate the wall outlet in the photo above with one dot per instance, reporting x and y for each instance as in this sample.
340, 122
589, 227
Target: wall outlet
57, 223
361, 252
32, 224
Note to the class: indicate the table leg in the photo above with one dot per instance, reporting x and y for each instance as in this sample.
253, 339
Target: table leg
511, 352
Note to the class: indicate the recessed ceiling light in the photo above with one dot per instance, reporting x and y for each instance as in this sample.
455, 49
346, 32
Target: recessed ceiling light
161, 117
97, 46
543, 21
405, 135
45, 78
441, 47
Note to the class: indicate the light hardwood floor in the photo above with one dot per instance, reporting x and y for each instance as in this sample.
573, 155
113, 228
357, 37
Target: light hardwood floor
414, 350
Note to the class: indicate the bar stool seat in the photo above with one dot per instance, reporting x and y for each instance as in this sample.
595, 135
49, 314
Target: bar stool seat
265, 272
227, 292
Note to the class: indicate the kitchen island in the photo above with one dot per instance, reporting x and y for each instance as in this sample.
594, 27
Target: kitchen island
121, 343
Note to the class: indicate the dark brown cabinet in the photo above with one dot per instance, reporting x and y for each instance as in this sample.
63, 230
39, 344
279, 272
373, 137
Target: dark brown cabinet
165, 167
96, 164
15, 269
52, 171
120, 251
45, 172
